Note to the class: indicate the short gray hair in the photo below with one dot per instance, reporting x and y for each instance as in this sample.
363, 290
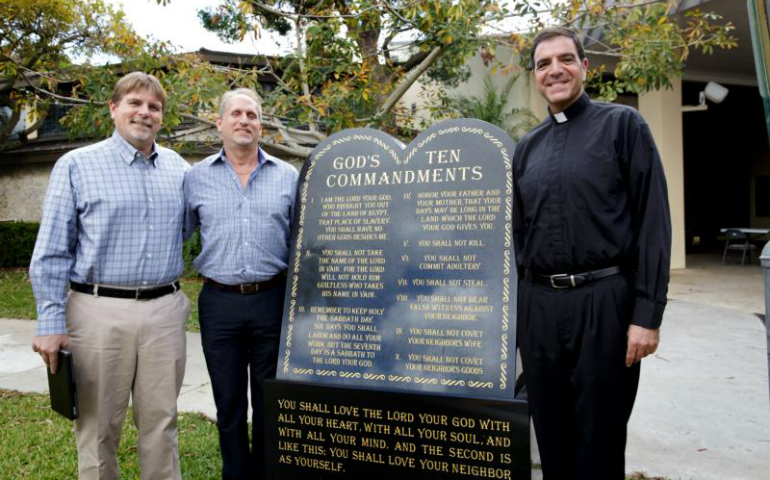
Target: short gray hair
247, 92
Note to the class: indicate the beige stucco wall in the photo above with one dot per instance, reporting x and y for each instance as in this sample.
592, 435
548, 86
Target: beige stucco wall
22, 189
537, 103
420, 94
663, 111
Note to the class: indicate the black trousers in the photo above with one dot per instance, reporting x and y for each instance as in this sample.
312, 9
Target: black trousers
573, 346
240, 335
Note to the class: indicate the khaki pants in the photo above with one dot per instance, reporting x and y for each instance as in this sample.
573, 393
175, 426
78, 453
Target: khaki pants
127, 348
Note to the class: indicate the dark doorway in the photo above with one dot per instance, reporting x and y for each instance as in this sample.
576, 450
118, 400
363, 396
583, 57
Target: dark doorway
720, 145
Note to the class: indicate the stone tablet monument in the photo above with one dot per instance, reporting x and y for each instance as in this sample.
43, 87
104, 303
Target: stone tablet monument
399, 334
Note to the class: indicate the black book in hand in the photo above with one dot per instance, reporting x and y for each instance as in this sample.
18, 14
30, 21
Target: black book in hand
61, 385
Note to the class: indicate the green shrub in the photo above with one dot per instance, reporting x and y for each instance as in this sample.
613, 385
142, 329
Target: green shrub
191, 249
17, 240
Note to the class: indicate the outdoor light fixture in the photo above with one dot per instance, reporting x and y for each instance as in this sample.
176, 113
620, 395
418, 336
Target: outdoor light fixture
713, 92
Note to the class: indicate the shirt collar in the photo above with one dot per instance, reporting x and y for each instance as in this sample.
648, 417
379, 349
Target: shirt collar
262, 157
128, 152
572, 111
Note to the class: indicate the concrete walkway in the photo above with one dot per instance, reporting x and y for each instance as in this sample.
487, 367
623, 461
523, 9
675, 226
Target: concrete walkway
22, 369
702, 412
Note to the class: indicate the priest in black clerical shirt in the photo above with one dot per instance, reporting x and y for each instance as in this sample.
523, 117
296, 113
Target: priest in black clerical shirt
592, 231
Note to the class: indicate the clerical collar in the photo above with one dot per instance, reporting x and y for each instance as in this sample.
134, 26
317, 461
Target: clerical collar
572, 111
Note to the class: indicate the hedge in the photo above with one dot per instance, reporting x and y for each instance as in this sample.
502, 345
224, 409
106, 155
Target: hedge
17, 240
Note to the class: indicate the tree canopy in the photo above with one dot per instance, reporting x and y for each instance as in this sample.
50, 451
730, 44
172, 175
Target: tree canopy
38, 41
45, 52
352, 60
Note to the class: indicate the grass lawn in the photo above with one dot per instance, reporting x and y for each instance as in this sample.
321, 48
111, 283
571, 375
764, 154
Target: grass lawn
36, 443
191, 288
17, 301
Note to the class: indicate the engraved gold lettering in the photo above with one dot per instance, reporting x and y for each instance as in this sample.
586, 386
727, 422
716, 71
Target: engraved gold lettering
288, 446
464, 437
405, 447
435, 465
399, 461
342, 439
368, 457
318, 464
290, 432
481, 471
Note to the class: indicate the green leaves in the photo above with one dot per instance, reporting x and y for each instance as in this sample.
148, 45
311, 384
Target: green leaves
346, 62
350, 61
39, 41
492, 106
650, 43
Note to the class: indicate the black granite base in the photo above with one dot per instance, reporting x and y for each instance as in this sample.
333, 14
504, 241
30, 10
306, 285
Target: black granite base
318, 432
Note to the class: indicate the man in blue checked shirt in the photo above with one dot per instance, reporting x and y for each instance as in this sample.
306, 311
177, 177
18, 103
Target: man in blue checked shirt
243, 200
104, 272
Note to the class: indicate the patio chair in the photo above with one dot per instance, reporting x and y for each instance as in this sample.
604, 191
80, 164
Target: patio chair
735, 240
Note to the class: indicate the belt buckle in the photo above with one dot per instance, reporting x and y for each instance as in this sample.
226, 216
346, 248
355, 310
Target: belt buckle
562, 275
138, 294
248, 290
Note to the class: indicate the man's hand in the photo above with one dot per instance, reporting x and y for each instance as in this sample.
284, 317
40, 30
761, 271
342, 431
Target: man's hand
641, 342
48, 347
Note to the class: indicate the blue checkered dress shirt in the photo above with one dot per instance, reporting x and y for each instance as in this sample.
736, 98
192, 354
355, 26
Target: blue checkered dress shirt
244, 232
109, 217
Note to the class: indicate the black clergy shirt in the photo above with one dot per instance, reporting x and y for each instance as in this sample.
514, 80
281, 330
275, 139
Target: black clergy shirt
592, 194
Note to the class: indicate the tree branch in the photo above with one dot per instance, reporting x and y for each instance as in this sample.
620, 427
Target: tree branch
395, 13
414, 60
198, 119
301, 53
295, 16
301, 152
409, 80
278, 125
33, 128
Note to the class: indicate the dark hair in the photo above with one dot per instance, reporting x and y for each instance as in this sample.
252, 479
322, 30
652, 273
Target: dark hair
553, 32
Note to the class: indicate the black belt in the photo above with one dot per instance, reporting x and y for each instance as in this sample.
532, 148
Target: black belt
136, 294
248, 288
572, 280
